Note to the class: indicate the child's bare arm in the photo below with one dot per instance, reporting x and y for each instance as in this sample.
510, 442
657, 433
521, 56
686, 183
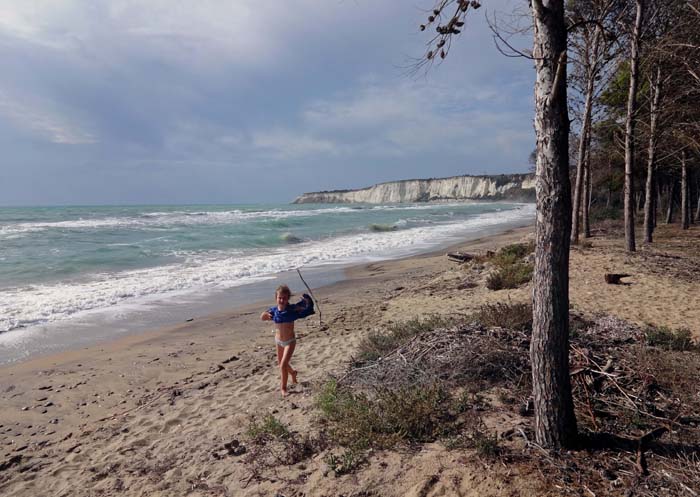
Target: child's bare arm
266, 316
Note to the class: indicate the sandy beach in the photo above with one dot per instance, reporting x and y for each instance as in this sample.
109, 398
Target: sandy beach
153, 414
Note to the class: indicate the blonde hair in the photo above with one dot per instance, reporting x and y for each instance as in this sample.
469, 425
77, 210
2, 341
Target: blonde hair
283, 290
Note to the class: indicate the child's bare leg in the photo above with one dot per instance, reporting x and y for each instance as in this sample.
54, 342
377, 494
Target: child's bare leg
284, 366
293, 373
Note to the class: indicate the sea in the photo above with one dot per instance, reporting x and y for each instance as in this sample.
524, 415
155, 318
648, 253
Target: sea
76, 276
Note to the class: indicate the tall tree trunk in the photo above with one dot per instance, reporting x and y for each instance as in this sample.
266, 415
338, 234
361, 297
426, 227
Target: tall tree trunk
697, 190
671, 194
691, 214
610, 180
580, 166
629, 129
685, 207
555, 421
585, 214
651, 159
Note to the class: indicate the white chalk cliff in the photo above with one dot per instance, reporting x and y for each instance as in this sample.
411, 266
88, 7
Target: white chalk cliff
510, 186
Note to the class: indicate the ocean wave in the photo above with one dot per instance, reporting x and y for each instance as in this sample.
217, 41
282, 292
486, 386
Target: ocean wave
204, 272
165, 219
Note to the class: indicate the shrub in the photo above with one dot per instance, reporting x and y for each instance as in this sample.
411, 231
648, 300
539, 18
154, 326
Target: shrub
390, 416
511, 276
668, 339
510, 254
510, 316
378, 344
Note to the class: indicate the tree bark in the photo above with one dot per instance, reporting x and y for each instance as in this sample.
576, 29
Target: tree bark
555, 422
585, 214
671, 194
685, 207
697, 210
580, 166
651, 159
629, 129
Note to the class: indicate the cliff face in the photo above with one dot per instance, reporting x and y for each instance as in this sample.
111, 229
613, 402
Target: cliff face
505, 186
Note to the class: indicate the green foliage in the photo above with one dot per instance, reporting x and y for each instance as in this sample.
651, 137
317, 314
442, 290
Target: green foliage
269, 428
506, 315
377, 344
390, 416
486, 444
680, 339
510, 276
512, 270
511, 254
344, 463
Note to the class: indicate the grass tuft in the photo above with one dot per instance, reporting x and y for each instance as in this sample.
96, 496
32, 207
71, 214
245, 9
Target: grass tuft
269, 428
680, 339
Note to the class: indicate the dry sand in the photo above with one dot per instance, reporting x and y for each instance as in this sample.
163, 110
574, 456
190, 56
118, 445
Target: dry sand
149, 415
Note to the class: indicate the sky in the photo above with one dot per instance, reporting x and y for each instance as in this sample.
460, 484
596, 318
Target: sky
247, 101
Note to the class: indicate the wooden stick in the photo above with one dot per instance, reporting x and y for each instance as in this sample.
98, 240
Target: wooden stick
312, 296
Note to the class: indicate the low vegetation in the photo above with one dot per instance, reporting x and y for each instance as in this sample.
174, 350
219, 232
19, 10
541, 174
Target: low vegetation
680, 339
378, 344
511, 268
516, 316
441, 381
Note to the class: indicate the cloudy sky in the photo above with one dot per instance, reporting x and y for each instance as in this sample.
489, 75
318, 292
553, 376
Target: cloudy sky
245, 101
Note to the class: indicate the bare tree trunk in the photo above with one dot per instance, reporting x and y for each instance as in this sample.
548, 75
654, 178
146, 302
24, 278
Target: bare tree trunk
671, 194
555, 421
585, 215
580, 172
697, 210
629, 130
691, 214
685, 207
651, 159
610, 180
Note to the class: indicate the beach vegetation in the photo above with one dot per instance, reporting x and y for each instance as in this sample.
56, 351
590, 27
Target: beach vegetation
515, 316
512, 276
388, 416
379, 343
512, 268
668, 339
268, 428
345, 462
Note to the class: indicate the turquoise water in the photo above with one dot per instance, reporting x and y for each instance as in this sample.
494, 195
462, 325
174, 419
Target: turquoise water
59, 262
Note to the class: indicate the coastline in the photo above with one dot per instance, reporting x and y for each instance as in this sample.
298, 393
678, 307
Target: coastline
103, 326
144, 415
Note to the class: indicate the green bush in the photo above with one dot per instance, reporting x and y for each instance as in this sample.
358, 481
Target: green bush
510, 316
511, 276
510, 254
390, 416
668, 339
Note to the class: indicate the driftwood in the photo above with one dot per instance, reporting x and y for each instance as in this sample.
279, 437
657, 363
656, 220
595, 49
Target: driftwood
615, 278
459, 256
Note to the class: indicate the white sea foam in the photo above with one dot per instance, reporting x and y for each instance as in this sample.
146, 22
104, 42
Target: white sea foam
202, 272
160, 219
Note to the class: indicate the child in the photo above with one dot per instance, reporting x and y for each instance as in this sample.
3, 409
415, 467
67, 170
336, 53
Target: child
284, 314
